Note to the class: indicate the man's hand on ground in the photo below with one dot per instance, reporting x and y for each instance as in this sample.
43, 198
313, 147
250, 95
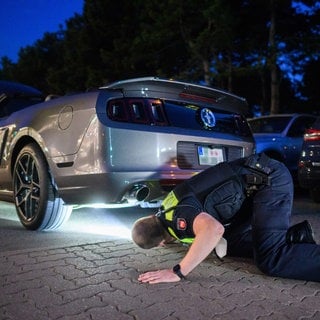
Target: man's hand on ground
152, 277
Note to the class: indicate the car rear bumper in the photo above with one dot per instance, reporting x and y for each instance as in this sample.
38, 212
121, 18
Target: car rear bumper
120, 187
112, 164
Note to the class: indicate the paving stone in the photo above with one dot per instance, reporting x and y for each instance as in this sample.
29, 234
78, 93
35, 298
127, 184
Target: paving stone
99, 281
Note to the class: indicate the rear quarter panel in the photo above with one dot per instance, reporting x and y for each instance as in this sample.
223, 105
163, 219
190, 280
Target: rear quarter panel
62, 123
57, 126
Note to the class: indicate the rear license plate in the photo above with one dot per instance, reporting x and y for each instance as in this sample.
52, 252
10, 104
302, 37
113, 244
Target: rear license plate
209, 156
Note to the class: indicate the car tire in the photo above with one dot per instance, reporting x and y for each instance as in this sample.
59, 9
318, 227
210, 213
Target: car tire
315, 194
36, 199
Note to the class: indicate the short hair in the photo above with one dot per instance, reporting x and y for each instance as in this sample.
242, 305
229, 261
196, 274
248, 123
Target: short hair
148, 232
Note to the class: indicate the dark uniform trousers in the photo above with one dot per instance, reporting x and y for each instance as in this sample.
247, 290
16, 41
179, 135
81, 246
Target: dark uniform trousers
266, 241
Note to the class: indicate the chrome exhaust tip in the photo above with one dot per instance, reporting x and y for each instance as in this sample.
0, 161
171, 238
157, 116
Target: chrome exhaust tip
139, 192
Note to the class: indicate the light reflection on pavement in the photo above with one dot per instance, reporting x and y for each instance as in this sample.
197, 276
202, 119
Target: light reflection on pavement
87, 225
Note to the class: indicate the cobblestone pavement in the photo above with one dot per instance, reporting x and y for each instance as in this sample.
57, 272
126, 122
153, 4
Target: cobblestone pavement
98, 281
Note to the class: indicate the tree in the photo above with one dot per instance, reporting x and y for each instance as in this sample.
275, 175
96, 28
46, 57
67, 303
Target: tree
310, 86
249, 47
7, 71
70, 75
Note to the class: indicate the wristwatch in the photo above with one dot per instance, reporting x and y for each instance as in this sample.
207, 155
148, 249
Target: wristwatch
177, 270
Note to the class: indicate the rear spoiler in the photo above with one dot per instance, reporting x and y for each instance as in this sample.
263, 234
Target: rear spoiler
205, 96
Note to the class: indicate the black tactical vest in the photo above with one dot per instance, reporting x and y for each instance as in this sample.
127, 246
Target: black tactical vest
220, 189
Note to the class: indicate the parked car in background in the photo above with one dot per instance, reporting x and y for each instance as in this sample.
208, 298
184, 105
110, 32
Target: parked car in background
309, 164
125, 144
280, 136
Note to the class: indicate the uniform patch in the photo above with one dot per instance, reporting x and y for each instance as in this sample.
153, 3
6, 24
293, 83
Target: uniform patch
181, 224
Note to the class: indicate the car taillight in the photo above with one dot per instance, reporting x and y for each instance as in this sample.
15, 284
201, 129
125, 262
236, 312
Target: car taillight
312, 135
143, 111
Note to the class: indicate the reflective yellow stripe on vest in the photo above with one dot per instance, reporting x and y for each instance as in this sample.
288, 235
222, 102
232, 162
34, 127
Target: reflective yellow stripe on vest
171, 201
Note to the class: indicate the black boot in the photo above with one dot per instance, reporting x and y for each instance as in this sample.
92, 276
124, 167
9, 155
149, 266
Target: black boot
300, 233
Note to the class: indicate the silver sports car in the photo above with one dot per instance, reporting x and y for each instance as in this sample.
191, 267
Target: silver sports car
125, 144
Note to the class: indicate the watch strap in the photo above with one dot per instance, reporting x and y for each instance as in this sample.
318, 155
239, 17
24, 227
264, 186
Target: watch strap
177, 270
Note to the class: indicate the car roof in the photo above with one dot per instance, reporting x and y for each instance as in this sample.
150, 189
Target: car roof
10, 88
180, 91
15, 96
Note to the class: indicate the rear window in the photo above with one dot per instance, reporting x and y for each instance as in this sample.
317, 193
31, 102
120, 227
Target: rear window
269, 125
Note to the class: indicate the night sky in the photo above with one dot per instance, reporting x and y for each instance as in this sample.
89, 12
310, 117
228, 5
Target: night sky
23, 22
